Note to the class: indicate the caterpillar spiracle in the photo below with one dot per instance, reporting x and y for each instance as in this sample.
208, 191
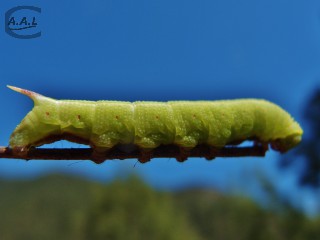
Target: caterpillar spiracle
147, 125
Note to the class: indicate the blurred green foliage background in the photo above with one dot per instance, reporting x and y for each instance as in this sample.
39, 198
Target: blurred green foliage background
65, 207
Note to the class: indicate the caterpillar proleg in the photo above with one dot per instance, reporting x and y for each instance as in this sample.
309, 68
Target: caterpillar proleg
147, 125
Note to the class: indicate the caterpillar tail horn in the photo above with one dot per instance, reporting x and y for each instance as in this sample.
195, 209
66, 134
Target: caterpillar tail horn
33, 95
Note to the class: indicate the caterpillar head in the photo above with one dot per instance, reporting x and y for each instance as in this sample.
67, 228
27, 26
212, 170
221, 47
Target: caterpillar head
290, 141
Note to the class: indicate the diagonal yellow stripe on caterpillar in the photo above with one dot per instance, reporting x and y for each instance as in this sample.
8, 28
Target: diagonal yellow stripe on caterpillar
147, 125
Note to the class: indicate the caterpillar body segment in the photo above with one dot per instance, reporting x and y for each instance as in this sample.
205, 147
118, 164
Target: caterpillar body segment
147, 125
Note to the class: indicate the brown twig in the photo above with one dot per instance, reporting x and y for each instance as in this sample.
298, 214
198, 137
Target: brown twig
168, 151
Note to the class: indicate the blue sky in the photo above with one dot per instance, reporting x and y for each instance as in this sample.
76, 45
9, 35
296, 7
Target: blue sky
164, 50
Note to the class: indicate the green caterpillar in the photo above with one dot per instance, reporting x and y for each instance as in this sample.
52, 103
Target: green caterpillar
105, 124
